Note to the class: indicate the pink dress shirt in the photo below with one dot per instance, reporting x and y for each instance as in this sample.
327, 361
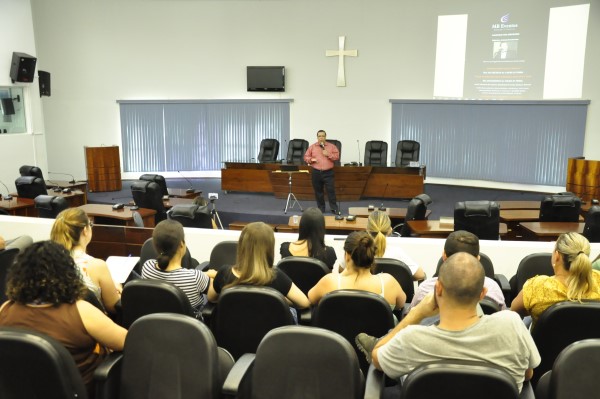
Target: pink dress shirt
322, 162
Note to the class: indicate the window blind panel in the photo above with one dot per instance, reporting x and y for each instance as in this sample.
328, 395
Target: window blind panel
520, 142
142, 137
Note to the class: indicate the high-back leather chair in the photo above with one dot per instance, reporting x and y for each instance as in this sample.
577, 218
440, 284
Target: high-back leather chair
296, 150
147, 194
530, 266
30, 187
7, 258
36, 366
400, 271
591, 230
560, 208
269, 148
559, 326
338, 145
245, 314
455, 379
49, 206
407, 151
481, 218
141, 297
28, 170
417, 210
376, 153
350, 312
304, 271
222, 255
191, 215
158, 179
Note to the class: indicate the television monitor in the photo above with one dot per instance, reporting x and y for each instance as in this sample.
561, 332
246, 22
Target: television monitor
265, 78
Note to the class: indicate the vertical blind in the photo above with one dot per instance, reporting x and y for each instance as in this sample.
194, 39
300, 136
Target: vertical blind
527, 142
198, 135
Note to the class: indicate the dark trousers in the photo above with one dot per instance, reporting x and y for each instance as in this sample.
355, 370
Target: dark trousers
324, 179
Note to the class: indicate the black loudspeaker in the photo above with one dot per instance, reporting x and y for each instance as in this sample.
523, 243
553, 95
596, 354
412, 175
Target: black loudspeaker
8, 107
44, 81
22, 68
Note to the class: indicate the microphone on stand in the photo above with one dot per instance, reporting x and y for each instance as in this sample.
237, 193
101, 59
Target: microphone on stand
7, 197
339, 216
57, 188
64, 174
285, 146
358, 145
383, 208
191, 189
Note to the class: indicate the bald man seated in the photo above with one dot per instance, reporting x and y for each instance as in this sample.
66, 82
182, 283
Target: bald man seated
500, 339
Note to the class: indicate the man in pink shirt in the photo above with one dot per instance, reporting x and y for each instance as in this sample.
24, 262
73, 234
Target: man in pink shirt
321, 156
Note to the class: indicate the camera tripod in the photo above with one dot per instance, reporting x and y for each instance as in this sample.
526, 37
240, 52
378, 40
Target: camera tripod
215, 214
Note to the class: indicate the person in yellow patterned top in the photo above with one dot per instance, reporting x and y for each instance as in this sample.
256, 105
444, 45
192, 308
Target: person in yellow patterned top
573, 280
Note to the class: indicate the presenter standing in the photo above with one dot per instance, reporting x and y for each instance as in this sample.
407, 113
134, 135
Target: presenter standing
321, 156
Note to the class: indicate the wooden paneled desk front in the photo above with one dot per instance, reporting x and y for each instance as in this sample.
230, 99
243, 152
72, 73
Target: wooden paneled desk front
549, 231
104, 214
432, 228
19, 206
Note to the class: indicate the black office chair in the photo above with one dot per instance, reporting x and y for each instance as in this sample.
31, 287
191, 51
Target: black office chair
166, 355
574, 374
49, 206
591, 230
269, 148
376, 153
338, 145
148, 252
407, 151
417, 210
559, 326
30, 187
481, 218
304, 271
158, 179
28, 170
459, 380
489, 306
350, 312
222, 255
147, 194
36, 366
560, 208
400, 271
7, 258
296, 150
530, 266
245, 314
191, 215
141, 297
294, 361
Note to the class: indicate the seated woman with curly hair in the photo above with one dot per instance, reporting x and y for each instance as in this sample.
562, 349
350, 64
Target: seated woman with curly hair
45, 294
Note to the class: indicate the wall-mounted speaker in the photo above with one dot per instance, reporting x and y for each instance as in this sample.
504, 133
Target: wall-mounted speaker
44, 81
8, 107
22, 68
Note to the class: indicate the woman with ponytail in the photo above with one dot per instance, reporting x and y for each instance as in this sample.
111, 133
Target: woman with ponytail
379, 226
359, 254
73, 230
573, 279
169, 242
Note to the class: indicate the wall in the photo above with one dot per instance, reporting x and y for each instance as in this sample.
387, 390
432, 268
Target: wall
100, 52
16, 30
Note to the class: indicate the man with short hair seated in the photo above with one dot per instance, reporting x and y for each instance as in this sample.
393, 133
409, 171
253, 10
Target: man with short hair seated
500, 339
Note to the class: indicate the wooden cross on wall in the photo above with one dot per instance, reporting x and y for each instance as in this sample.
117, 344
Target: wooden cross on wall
340, 53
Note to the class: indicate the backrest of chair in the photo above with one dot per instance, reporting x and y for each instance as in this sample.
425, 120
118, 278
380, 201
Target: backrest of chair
400, 271
158, 179
223, 254
147, 194
486, 262
317, 362
407, 151
376, 153
350, 312
269, 148
560, 208
36, 366
304, 271
191, 215
464, 380
244, 316
489, 306
169, 356
417, 209
30, 187
141, 297
338, 145
28, 170
7, 258
481, 218
49, 206
575, 371
296, 150
559, 326
530, 266
591, 230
